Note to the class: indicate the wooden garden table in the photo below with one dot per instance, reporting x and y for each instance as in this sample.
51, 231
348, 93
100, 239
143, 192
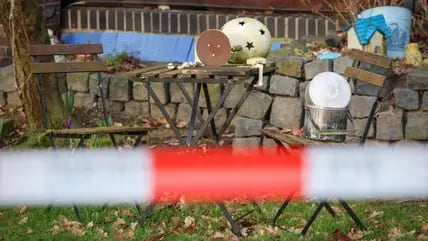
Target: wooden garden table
201, 77
227, 77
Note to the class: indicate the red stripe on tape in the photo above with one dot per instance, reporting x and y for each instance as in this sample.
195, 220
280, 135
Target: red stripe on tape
215, 174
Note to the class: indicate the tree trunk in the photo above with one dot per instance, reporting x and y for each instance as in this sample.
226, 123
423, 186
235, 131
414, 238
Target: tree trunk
28, 26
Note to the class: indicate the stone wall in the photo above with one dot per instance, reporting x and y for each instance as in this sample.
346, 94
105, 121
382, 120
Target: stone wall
403, 117
278, 103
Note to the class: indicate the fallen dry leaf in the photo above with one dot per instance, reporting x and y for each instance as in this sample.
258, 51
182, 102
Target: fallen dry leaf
175, 221
189, 221
338, 235
124, 234
156, 237
22, 210
424, 227
133, 225
181, 124
90, 225
29, 230
126, 212
74, 227
108, 219
56, 229
421, 237
218, 235
376, 214
355, 234
395, 233
120, 222
101, 233
23, 220
77, 231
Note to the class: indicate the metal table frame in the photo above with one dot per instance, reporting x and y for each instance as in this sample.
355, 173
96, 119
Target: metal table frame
201, 80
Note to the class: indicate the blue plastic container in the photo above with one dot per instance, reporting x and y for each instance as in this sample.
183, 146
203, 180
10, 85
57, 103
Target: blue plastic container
399, 20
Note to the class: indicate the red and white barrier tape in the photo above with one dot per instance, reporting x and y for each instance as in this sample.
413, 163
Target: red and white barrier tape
94, 177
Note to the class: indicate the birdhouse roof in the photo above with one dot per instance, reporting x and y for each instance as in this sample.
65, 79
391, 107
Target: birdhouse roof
365, 28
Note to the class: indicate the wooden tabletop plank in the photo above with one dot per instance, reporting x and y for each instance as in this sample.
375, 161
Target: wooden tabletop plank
148, 69
172, 73
155, 73
218, 71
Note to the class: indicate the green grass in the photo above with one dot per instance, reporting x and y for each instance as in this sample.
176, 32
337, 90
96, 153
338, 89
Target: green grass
385, 220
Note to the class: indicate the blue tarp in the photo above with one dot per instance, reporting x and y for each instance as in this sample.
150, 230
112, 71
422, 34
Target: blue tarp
148, 47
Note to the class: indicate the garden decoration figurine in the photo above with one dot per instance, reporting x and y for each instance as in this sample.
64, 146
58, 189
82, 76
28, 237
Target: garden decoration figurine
369, 34
240, 41
413, 55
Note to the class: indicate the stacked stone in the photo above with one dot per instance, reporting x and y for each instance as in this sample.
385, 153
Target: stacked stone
281, 104
9, 95
131, 98
122, 95
413, 100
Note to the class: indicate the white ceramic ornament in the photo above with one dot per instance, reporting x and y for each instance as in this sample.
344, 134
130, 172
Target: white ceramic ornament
329, 89
248, 38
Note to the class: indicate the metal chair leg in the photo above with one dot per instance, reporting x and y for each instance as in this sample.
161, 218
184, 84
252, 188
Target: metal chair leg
352, 214
113, 140
146, 213
259, 209
280, 211
330, 209
76, 211
312, 219
138, 207
235, 228
138, 140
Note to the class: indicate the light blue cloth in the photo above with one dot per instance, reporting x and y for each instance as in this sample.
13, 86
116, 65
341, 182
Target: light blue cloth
328, 55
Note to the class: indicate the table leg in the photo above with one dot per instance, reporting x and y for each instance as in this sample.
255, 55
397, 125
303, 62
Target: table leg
189, 100
152, 94
209, 108
195, 109
212, 114
235, 110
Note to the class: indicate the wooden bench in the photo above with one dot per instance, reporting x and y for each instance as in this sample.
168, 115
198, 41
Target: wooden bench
287, 140
38, 68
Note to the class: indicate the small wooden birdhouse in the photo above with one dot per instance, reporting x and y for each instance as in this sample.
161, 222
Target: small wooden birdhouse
369, 34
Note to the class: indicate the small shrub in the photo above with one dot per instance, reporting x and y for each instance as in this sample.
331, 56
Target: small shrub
116, 59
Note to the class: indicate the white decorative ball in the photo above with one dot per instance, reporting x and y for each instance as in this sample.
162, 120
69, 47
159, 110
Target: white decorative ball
248, 38
329, 89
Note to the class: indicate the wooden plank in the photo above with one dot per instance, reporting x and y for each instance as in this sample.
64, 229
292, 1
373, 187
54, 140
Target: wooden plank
155, 73
287, 138
363, 75
64, 49
169, 74
99, 130
218, 71
72, 67
370, 58
150, 68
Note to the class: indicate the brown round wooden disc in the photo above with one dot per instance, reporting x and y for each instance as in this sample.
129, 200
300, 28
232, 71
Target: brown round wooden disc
213, 48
